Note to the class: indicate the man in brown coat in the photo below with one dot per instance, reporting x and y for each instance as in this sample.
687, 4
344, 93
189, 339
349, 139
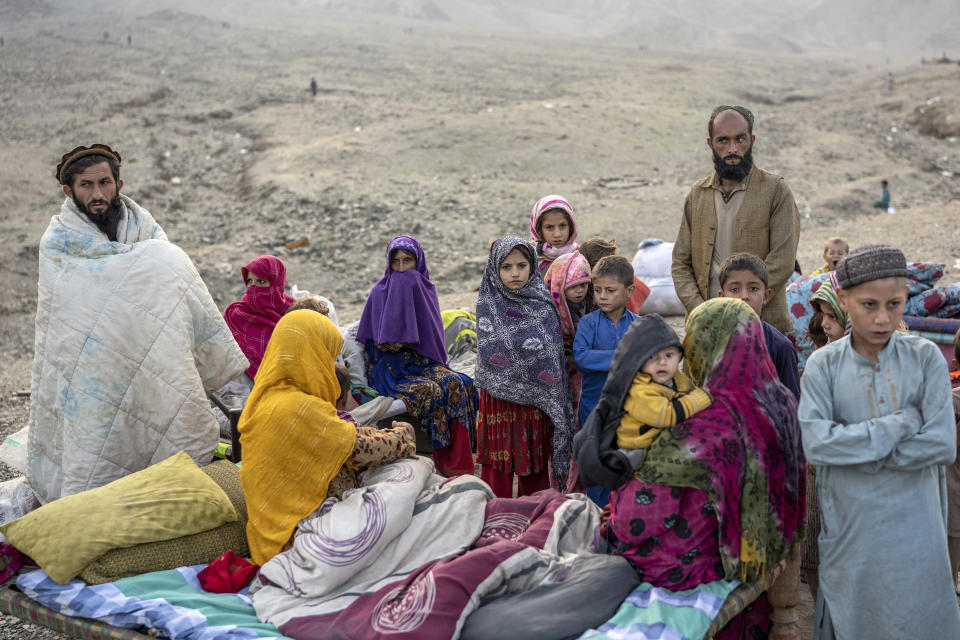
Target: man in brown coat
740, 208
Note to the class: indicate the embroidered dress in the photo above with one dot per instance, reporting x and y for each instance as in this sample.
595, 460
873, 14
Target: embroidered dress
516, 438
252, 319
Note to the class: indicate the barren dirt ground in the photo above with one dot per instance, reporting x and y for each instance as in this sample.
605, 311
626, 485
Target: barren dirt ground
445, 134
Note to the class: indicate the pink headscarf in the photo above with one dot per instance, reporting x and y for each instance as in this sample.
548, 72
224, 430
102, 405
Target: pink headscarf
567, 270
253, 318
546, 252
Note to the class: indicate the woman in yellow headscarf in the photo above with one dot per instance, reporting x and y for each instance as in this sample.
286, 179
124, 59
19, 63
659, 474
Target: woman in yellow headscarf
296, 451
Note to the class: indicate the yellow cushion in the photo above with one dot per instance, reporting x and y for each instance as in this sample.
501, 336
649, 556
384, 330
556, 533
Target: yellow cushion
170, 499
197, 548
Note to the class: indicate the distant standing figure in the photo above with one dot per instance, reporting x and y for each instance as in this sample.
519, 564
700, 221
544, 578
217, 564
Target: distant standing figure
129, 40
106, 35
313, 87
888, 85
884, 201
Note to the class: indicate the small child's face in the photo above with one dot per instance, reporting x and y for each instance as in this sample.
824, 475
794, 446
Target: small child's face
515, 270
610, 294
663, 365
577, 292
830, 323
747, 286
875, 309
402, 260
835, 253
555, 228
256, 281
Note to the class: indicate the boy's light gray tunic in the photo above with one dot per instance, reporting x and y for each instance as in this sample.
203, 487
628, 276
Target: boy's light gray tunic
879, 435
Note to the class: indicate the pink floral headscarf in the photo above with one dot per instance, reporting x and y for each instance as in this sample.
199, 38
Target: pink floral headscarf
567, 270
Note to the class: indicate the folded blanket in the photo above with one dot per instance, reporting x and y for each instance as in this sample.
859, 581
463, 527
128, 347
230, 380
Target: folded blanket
168, 603
934, 325
942, 302
653, 613
402, 517
411, 555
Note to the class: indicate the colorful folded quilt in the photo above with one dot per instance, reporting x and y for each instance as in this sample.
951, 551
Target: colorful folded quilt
942, 302
932, 324
170, 604
653, 613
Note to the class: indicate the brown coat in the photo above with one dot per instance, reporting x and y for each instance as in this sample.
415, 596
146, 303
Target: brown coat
767, 225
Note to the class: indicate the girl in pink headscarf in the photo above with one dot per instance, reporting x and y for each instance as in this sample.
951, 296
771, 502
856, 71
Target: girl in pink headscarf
554, 229
568, 281
253, 318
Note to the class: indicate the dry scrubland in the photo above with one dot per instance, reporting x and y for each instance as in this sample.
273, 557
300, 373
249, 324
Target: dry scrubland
448, 134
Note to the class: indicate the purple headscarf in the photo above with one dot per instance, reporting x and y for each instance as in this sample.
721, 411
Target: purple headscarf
403, 307
520, 355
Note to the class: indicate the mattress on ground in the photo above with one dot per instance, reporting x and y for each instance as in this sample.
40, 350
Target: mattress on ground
170, 604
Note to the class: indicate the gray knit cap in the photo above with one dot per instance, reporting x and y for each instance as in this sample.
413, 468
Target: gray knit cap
869, 263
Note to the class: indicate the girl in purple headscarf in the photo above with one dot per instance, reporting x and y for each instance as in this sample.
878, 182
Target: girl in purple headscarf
406, 358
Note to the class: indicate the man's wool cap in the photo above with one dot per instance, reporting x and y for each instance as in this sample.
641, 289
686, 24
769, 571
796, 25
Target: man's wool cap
72, 156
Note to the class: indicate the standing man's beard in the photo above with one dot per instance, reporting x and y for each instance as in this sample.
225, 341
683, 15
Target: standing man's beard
108, 220
735, 172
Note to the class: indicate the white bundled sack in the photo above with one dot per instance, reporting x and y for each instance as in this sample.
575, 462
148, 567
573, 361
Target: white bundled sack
652, 265
17, 499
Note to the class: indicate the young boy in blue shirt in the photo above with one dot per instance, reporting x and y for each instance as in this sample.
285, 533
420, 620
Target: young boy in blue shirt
598, 334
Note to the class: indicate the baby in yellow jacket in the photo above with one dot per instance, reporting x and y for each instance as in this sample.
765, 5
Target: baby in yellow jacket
661, 395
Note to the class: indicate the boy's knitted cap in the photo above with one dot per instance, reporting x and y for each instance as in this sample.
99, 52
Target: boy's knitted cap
869, 263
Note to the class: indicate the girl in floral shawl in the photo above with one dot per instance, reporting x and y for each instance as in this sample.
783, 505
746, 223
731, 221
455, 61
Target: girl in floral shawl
721, 495
253, 318
406, 358
553, 228
526, 420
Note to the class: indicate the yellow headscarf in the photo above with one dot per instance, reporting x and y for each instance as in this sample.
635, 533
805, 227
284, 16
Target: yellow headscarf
293, 443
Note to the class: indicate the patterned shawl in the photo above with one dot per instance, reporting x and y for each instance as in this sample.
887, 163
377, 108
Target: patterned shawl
294, 443
546, 251
744, 450
253, 318
520, 355
403, 307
